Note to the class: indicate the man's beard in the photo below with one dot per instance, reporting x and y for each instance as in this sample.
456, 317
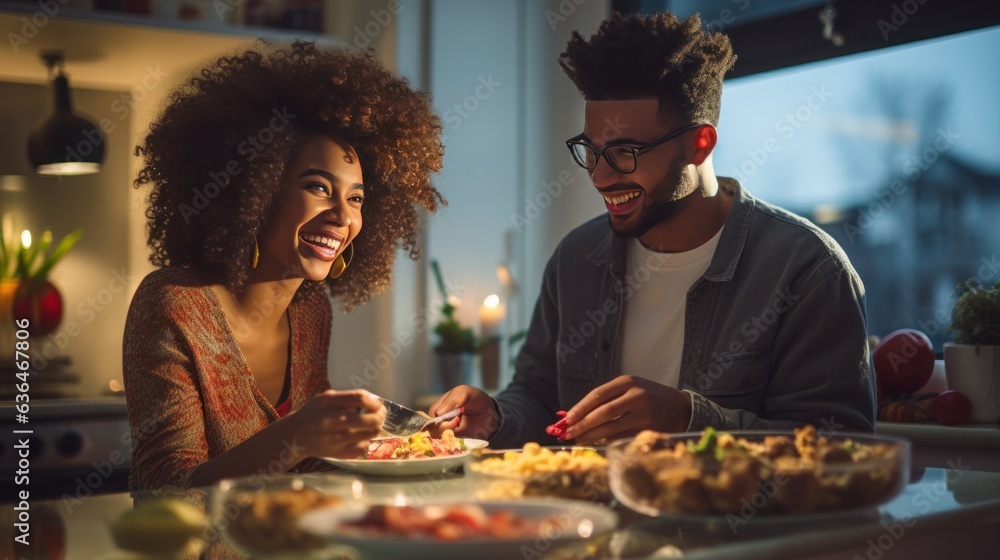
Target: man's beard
662, 203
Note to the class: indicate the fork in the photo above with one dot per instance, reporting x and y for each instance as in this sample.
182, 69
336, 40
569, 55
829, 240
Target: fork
402, 421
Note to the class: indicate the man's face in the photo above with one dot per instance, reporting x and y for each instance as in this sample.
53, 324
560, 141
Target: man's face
655, 192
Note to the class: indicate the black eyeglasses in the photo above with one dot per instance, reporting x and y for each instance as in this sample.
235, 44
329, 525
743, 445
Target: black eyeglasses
623, 158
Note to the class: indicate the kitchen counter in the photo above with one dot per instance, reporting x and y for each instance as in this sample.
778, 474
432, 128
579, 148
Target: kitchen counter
935, 445
942, 513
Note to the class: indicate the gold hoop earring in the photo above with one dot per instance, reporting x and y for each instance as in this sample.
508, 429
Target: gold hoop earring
340, 265
256, 254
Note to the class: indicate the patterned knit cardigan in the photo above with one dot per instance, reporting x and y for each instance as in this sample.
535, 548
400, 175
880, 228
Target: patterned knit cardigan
189, 391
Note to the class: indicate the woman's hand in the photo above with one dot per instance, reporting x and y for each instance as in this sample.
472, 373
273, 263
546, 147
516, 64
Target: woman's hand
337, 424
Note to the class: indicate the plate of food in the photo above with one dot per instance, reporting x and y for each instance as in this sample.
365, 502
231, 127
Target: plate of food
573, 472
412, 455
482, 530
736, 477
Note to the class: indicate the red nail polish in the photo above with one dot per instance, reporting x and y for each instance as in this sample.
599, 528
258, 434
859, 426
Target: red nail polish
561, 413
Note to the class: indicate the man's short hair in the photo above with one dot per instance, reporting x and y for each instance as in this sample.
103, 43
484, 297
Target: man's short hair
653, 57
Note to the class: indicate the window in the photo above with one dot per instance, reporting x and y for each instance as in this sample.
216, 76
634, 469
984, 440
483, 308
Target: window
895, 153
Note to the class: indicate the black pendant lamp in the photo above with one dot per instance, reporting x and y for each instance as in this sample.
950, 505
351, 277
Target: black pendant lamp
64, 144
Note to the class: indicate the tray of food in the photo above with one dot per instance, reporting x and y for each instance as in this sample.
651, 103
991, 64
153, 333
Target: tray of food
564, 472
770, 474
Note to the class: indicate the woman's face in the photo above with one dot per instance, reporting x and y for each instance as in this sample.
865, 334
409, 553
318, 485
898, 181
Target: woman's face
318, 212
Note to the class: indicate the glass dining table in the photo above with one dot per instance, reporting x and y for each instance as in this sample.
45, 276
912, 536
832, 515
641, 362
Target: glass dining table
946, 511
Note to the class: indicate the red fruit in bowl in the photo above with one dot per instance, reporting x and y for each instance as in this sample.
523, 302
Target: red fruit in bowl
903, 361
39, 302
952, 407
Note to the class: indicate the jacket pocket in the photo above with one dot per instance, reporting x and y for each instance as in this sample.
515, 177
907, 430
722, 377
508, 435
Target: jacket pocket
735, 380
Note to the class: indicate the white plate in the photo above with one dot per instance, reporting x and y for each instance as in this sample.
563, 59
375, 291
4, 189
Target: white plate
408, 467
585, 520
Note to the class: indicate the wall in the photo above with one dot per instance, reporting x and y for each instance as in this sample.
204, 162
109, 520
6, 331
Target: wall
553, 182
507, 109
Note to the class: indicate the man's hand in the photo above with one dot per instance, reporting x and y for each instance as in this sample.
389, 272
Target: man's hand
624, 407
479, 420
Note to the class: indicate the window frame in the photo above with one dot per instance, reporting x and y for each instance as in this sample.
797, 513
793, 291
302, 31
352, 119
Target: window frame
801, 38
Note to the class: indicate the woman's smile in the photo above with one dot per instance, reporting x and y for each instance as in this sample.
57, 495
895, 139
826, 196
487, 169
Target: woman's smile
325, 245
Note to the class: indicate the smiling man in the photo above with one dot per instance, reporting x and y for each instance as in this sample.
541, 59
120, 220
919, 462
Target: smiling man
690, 303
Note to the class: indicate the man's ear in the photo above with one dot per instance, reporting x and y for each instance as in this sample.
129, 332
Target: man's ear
705, 139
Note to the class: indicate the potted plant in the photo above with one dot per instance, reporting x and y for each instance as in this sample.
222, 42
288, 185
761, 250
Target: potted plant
972, 362
25, 290
456, 345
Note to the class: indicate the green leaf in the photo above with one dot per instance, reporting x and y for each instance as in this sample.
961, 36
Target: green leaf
976, 317
4, 256
21, 271
60, 251
440, 281
453, 337
38, 250
706, 445
517, 337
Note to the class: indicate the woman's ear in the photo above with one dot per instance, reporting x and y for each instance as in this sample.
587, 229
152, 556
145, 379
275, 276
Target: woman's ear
705, 139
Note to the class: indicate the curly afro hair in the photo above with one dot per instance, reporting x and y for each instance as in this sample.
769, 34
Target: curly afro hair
652, 57
215, 157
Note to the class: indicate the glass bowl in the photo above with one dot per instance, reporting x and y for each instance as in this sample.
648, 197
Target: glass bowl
579, 473
751, 473
259, 514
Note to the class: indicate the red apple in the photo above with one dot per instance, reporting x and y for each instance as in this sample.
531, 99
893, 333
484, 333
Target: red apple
952, 407
903, 361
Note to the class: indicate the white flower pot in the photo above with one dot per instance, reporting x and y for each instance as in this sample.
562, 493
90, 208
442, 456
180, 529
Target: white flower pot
975, 372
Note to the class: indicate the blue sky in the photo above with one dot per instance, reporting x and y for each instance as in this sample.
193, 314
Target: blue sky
835, 132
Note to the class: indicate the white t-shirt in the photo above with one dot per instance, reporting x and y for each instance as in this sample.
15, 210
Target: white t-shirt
652, 335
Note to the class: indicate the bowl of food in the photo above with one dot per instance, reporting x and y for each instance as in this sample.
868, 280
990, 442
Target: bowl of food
579, 473
260, 514
752, 473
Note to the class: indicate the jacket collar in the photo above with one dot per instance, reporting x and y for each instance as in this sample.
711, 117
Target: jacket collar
611, 250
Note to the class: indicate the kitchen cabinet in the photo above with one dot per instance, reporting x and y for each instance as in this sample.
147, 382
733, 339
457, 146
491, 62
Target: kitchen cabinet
113, 51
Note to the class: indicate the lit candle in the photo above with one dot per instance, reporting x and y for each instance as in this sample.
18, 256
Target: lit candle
491, 316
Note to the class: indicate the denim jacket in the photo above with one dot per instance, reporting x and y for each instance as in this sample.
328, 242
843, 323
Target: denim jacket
775, 331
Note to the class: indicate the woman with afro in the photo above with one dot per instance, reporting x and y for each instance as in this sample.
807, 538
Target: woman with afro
277, 178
